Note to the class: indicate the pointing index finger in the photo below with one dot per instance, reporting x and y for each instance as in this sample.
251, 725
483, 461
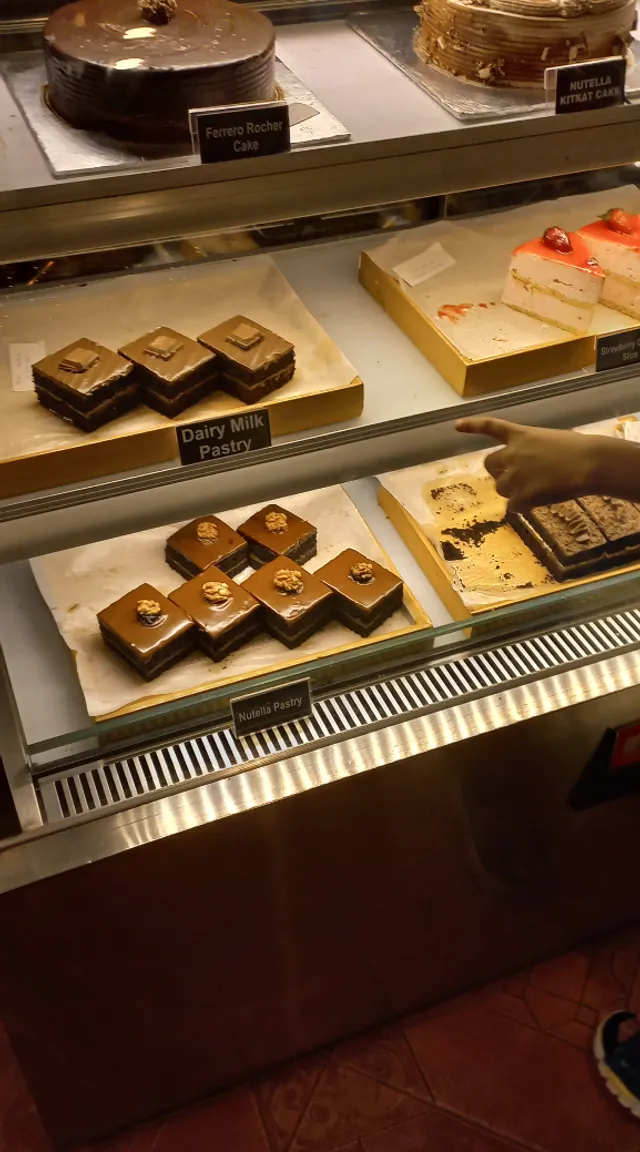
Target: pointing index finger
501, 430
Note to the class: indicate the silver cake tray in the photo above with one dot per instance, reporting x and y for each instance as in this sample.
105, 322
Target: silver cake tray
74, 152
391, 32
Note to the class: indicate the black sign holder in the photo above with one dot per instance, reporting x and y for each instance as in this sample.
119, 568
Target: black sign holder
224, 437
240, 131
261, 710
585, 87
618, 349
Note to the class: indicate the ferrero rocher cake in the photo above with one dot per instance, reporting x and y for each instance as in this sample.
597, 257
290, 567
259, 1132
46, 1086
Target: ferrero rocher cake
135, 68
510, 43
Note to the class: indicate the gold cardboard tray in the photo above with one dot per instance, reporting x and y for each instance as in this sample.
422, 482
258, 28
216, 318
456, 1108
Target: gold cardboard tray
425, 504
456, 317
38, 450
76, 584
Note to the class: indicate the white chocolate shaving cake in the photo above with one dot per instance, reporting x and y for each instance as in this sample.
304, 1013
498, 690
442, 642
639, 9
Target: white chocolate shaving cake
509, 43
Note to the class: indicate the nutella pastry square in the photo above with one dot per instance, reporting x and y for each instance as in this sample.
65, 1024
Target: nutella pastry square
147, 630
619, 522
296, 604
226, 615
173, 372
253, 360
366, 594
86, 384
205, 541
273, 531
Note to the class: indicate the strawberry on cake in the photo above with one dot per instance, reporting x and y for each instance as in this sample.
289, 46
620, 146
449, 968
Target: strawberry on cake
557, 279
614, 240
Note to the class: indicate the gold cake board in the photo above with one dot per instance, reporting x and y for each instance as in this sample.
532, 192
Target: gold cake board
39, 451
442, 577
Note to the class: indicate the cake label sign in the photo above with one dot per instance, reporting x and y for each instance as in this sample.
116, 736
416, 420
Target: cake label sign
293, 701
224, 436
583, 87
241, 131
618, 350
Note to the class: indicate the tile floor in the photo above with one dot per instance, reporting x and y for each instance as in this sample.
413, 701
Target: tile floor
506, 1068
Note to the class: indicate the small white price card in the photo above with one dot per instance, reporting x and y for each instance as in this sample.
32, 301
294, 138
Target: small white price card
21, 358
425, 265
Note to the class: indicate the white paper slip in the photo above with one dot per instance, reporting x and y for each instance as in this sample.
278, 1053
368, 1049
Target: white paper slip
425, 265
21, 359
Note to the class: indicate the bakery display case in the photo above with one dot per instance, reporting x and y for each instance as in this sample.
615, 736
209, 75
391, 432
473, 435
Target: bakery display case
286, 688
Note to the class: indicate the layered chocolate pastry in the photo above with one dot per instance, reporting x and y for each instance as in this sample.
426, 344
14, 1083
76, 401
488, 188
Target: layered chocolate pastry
86, 384
296, 603
253, 360
147, 630
366, 594
273, 532
135, 68
172, 371
203, 542
226, 615
563, 537
619, 522
510, 43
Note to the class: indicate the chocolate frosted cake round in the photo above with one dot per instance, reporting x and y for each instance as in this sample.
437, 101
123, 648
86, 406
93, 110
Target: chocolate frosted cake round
509, 43
134, 68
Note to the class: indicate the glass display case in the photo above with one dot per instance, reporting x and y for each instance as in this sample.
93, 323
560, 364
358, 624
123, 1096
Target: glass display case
300, 727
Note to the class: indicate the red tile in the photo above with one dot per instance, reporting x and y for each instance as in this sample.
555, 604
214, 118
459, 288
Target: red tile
521, 1084
21, 1129
514, 987
624, 966
283, 1099
549, 1010
436, 1131
587, 1016
387, 1057
347, 1106
603, 991
501, 1002
144, 1139
563, 976
227, 1122
575, 1033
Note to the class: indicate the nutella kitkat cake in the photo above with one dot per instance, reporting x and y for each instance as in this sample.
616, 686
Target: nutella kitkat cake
614, 241
203, 542
556, 279
274, 531
253, 360
510, 43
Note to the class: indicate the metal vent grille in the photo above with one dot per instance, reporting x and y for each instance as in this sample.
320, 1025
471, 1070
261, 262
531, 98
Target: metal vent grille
100, 786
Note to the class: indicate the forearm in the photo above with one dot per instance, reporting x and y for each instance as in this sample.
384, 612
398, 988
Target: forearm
614, 468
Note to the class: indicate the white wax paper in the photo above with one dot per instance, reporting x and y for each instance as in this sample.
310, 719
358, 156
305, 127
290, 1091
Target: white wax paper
78, 583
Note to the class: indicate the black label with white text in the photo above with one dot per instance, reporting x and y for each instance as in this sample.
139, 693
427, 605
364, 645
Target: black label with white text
243, 131
275, 706
225, 436
618, 350
597, 84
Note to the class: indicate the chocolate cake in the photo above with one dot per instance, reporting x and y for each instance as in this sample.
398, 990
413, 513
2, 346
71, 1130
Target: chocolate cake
275, 532
147, 630
253, 360
203, 542
563, 537
510, 43
135, 68
366, 594
225, 613
85, 383
296, 603
172, 371
619, 522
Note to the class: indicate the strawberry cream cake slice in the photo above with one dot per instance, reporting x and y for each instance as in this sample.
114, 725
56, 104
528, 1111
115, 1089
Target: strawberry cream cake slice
614, 240
555, 278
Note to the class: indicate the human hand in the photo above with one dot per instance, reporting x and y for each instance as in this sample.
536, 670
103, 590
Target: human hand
536, 465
